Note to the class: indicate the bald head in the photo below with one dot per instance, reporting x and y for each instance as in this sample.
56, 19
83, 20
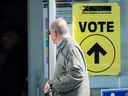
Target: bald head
60, 26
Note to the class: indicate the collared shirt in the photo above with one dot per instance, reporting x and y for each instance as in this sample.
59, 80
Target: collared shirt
60, 46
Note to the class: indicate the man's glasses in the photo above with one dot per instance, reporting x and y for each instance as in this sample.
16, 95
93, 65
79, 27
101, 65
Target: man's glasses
49, 33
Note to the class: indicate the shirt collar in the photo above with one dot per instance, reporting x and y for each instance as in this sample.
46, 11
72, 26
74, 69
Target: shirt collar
61, 44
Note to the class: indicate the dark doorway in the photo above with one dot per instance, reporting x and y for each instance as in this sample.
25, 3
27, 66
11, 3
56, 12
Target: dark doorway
13, 48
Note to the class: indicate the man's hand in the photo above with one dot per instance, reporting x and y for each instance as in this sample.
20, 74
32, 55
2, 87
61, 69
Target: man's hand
46, 87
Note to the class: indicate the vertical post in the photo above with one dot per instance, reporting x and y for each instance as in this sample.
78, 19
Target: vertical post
34, 46
52, 47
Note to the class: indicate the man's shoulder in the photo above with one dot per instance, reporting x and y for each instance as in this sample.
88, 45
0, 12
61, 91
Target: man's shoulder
72, 46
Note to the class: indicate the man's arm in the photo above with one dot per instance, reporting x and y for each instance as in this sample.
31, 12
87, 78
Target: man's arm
73, 77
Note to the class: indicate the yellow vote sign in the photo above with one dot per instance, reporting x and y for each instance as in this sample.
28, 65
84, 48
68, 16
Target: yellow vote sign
96, 27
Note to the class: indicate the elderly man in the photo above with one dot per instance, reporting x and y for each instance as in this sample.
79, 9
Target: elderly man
70, 77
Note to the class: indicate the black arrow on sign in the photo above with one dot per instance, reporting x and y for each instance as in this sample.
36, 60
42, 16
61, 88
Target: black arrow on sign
96, 49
